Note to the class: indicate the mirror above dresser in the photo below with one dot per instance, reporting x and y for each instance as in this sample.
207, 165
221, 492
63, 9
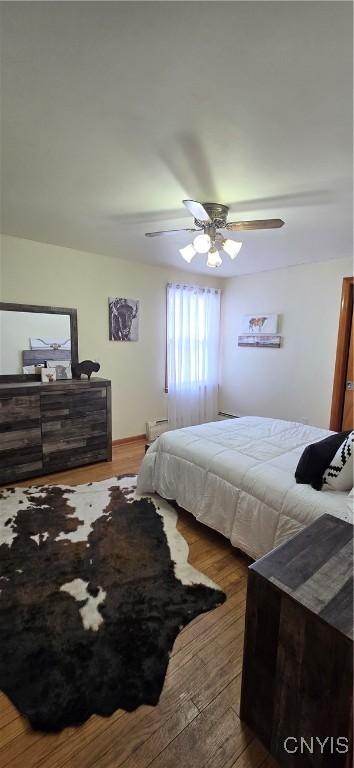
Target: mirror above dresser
32, 337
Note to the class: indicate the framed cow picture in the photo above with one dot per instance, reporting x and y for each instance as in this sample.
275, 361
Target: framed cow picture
123, 319
258, 323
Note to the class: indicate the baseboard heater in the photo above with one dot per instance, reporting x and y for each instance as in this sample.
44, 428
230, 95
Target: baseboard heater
155, 428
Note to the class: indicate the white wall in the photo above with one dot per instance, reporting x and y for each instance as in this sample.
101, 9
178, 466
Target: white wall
0, 270
36, 273
294, 382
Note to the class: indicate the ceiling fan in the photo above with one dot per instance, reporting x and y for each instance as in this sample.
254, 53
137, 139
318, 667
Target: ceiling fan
208, 219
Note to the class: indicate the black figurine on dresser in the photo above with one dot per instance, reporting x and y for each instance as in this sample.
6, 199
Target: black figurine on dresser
88, 367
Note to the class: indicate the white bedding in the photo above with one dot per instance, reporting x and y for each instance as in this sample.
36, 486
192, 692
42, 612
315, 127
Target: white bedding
237, 476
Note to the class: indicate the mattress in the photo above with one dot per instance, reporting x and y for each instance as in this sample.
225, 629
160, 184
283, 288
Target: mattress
237, 476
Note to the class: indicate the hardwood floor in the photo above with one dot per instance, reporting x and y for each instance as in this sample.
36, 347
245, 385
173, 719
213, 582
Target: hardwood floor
196, 723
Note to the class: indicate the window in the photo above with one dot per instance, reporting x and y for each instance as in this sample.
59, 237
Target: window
192, 341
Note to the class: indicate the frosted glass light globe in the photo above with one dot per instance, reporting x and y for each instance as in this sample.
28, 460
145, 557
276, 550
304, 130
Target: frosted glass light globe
202, 243
187, 253
232, 248
214, 259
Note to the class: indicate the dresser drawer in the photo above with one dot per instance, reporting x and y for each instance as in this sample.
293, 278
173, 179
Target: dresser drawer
75, 453
72, 404
47, 428
19, 411
74, 427
20, 437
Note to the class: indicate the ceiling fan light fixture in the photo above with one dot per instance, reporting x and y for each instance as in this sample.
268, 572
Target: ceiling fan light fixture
214, 258
188, 252
232, 248
201, 243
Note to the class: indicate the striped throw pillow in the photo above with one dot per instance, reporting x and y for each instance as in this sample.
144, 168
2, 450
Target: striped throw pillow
339, 474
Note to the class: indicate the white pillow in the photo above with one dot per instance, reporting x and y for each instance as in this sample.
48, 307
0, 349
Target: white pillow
339, 474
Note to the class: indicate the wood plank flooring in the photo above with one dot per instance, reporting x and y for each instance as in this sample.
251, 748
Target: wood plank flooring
196, 723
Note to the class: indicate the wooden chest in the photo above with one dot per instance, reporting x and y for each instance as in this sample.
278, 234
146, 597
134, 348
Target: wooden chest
50, 427
298, 655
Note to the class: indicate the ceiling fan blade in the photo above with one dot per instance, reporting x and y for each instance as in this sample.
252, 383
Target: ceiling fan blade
169, 232
197, 210
238, 226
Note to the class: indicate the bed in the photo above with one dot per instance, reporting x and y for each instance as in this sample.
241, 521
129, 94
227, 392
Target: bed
237, 476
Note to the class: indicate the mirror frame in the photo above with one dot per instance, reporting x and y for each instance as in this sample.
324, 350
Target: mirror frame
10, 307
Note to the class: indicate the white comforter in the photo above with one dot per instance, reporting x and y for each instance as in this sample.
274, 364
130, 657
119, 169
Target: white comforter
237, 476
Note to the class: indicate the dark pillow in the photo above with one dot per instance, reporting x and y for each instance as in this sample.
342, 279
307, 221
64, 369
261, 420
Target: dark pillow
316, 458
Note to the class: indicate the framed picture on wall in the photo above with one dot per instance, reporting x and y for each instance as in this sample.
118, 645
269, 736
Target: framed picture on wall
258, 323
259, 340
123, 319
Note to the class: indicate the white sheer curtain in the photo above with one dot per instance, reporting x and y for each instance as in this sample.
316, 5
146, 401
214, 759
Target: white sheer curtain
193, 323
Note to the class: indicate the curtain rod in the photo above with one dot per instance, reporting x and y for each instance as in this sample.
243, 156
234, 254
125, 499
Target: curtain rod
202, 288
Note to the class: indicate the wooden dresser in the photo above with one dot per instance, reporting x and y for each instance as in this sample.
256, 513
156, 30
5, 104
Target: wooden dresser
46, 428
298, 654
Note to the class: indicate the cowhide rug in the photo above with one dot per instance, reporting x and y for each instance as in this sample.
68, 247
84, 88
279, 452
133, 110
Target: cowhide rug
94, 588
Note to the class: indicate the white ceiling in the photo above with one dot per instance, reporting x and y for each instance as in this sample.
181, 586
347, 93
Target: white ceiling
113, 112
